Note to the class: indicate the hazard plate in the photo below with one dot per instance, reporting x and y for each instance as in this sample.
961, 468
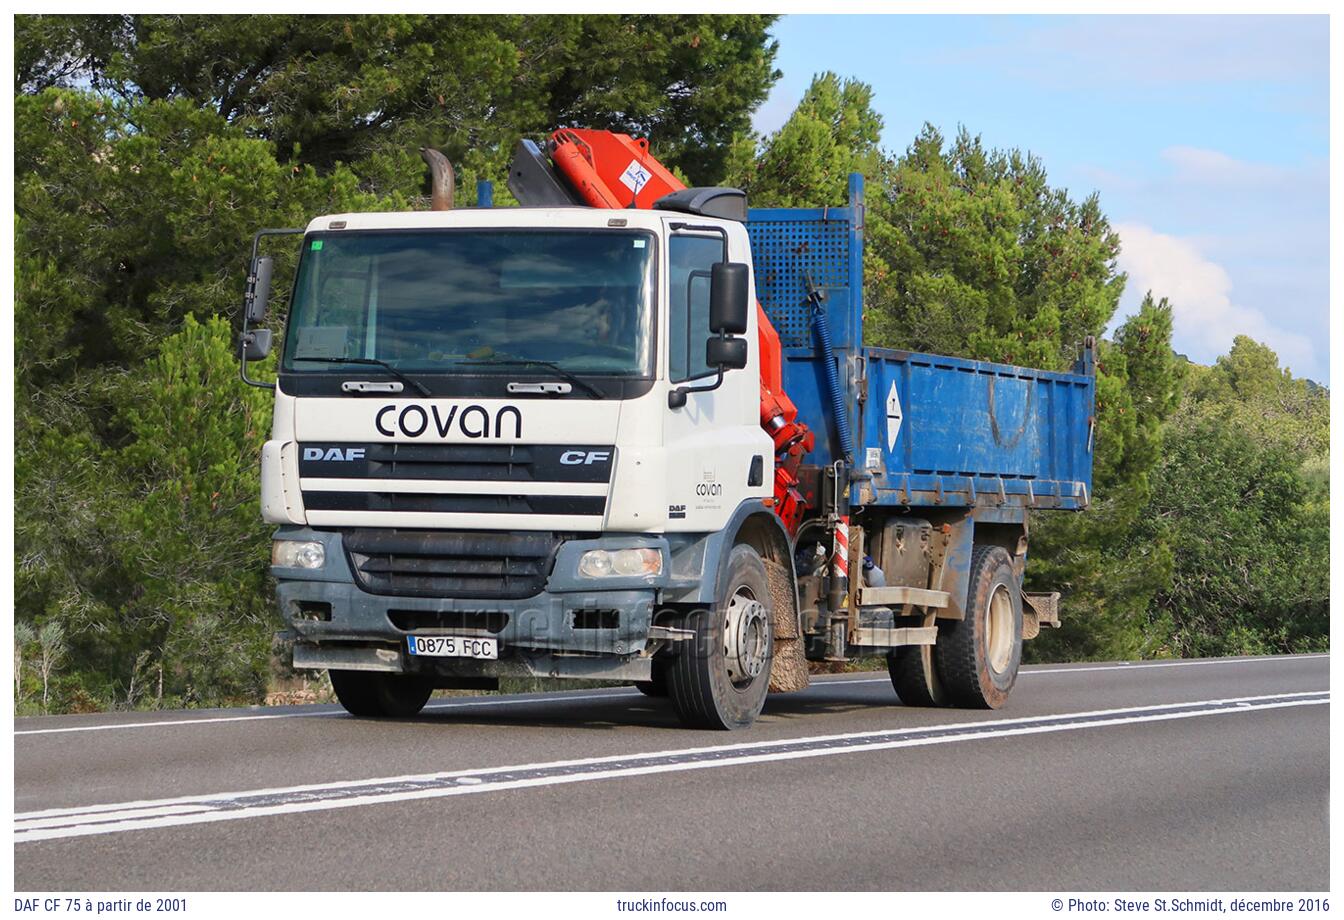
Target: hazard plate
452, 647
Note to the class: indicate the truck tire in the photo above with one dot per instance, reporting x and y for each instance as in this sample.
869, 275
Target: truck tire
375, 694
719, 679
914, 675
977, 657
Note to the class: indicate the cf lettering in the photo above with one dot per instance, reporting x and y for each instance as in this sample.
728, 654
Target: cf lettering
578, 457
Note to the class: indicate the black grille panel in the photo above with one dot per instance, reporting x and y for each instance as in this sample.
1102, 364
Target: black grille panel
427, 563
476, 462
591, 505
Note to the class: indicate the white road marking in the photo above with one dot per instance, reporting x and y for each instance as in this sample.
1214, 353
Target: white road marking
1123, 666
36, 820
169, 722
618, 693
119, 817
445, 704
1192, 662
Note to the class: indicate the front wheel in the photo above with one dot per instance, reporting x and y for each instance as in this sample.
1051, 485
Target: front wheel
656, 685
978, 656
377, 694
720, 678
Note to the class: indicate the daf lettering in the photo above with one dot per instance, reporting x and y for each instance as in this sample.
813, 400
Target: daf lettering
472, 422
333, 454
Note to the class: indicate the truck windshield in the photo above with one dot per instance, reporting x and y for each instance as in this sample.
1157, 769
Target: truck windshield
478, 301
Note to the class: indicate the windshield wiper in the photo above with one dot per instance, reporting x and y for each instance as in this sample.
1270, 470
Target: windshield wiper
567, 376
376, 362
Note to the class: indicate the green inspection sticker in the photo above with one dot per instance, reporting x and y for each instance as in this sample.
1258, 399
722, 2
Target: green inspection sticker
317, 244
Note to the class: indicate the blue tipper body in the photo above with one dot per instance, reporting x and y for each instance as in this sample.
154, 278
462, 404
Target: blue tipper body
927, 429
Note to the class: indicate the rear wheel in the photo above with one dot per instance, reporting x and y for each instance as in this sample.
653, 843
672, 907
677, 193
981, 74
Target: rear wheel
977, 657
377, 694
720, 678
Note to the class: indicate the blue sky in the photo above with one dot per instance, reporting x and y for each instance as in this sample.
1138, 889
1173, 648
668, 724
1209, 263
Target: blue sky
1207, 138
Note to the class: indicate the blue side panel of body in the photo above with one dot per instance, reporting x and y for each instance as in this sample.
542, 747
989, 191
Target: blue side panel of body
958, 432
948, 431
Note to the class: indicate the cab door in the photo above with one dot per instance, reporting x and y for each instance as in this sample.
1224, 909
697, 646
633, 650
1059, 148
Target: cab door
717, 454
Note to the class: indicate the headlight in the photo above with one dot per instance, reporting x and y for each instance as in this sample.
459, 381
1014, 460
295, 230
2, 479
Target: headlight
298, 554
601, 563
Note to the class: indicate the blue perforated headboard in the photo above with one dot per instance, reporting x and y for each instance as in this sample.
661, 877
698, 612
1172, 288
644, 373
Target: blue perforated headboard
785, 243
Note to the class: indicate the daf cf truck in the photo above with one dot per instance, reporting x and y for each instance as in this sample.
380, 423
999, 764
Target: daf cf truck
630, 431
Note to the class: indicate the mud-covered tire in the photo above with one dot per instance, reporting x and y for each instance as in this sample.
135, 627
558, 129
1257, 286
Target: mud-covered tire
914, 676
376, 694
977, 657
700, 681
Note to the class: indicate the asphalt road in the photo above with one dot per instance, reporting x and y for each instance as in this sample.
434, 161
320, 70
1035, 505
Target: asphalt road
1199, 775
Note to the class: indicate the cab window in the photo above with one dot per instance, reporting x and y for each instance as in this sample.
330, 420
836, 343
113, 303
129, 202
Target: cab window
690, 258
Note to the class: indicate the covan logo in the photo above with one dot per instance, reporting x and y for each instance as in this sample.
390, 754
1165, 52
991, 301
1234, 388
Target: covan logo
472, 421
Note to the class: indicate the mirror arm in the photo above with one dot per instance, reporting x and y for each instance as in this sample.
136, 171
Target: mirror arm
242, 338
677, 398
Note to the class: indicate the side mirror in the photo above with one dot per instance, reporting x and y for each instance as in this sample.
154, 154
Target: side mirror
256, 344
728, 298
725, 353
259, 290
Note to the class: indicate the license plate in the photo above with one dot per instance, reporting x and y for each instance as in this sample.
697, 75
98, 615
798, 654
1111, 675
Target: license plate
452, 647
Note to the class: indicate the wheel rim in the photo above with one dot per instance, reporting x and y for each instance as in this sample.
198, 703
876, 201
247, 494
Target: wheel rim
745, 637
1000, 629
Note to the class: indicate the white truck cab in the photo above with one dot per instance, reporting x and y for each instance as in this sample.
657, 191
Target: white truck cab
500, 444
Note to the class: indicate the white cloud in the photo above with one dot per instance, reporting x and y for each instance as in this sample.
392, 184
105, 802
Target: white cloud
1204, 316
1198, 166
1257, 233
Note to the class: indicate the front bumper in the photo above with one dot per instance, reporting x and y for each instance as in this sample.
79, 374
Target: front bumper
575, 627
